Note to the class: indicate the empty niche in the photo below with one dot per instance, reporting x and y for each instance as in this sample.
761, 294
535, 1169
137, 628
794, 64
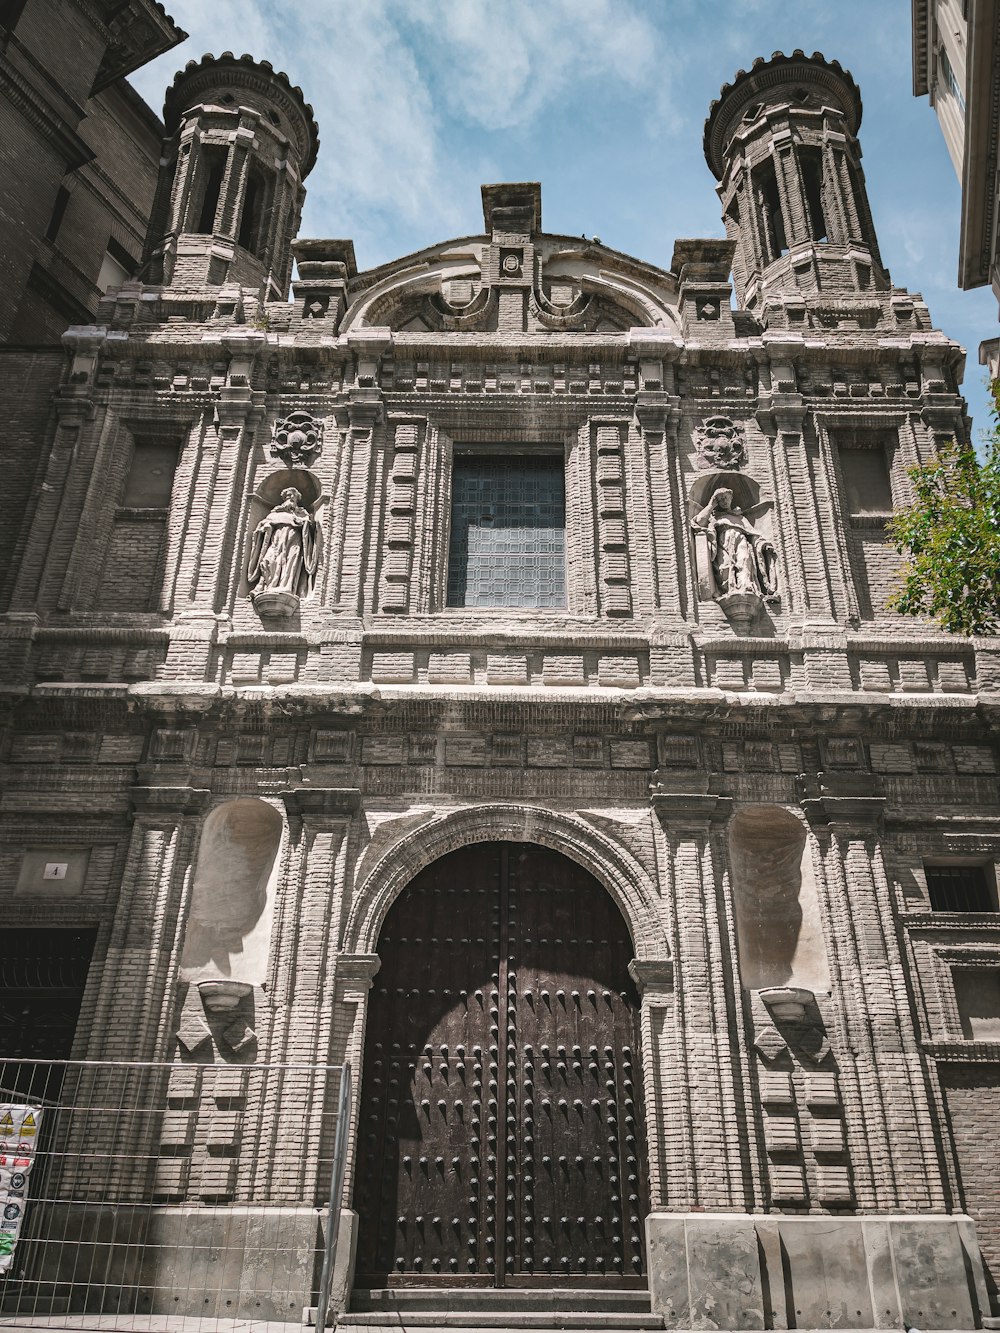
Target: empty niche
232, 900
777, 907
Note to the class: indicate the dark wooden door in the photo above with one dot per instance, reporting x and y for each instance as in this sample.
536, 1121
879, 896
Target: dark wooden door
43, 973
501, 1136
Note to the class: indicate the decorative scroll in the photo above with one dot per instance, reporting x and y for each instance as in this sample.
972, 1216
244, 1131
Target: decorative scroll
721, 444
297, 440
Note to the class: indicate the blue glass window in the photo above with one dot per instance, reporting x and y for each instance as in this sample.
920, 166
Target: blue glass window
508, 532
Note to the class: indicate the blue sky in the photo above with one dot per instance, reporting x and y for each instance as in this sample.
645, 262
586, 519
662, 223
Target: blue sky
421, 101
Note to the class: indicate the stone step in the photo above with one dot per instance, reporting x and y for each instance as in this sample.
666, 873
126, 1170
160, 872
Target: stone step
497, 1321
565, 1300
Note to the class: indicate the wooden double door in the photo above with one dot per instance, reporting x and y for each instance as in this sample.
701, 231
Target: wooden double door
501, 1134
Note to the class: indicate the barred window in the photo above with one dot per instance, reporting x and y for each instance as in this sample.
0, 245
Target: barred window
508, 532
960, 889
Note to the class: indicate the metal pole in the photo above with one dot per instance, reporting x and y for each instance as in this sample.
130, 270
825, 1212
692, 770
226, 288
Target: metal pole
336, 1190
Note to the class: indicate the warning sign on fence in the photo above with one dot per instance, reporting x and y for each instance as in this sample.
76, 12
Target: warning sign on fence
18, 1137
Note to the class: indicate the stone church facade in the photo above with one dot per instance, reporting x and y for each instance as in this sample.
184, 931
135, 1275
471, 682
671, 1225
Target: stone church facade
479, 669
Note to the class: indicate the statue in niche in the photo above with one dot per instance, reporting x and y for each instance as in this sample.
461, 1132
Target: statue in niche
743, 560
298, 440
721, 444
284, 555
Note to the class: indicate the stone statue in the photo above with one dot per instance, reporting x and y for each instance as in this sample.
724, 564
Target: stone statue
284, 553
743, 560
298, 440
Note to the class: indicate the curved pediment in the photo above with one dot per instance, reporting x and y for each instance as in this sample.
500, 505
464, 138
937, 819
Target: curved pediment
551, 284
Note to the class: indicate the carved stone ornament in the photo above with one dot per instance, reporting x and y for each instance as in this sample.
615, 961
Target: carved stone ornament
297, 440
721, 444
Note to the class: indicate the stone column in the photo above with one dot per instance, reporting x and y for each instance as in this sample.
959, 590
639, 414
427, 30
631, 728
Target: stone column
241, 141
704, 1270
206, 573
893, 1153
703, 1005
356, 523
134, 1011
300, 987
137, 1000
658, 417
80, 429
354, 976
666, 1141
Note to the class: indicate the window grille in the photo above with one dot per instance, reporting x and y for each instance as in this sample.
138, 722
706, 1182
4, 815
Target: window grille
959, 889
508, 532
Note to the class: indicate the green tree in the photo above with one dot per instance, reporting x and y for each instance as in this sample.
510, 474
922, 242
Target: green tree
950, 535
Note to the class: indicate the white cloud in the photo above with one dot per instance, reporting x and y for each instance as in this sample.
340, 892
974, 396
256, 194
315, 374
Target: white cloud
502, 65
388, 79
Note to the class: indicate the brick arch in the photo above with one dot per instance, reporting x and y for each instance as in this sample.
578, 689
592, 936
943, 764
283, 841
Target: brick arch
628, 883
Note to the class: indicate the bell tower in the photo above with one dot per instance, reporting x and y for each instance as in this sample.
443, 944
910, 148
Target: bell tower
241, 141
782, 142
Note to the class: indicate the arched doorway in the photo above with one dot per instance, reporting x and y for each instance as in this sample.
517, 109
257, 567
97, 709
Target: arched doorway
501, 1134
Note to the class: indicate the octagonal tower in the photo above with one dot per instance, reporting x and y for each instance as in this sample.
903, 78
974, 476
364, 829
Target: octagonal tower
241, 141
782, 141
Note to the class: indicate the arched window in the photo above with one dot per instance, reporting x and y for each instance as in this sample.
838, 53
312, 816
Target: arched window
766, 182
811, 162
213, 169
253, 218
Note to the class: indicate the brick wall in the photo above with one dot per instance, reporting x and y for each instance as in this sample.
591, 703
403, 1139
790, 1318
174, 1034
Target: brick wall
25, 210
129, 582
56, 49
972, 1096
28, 379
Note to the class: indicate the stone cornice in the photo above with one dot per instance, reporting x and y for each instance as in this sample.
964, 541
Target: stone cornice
45, 119
167, 801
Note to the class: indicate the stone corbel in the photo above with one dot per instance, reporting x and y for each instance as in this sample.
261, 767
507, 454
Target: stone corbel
368, 346
657, 405
849, 799
355, 974
84, 344
656, 412
783, 409
74, 399
365, 403
685, 809
652, 975
321, 802
238, 403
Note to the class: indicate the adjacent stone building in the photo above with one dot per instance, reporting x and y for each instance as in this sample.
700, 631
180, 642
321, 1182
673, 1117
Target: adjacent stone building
478, 668
956, 64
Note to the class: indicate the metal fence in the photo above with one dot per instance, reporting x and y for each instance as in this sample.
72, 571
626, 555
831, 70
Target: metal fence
155, 1196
